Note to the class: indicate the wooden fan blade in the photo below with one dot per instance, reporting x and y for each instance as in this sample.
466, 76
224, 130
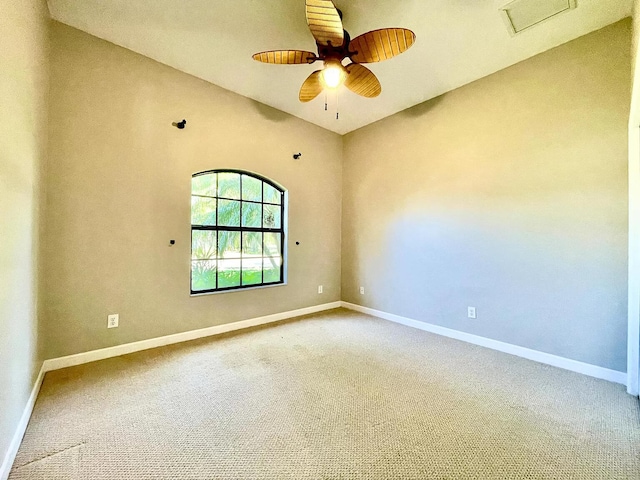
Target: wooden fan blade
285, 57
362, 81
324, 22
379, 45
311, 87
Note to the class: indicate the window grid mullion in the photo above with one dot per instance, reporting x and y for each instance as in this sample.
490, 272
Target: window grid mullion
236, 229
217, 206
262, 227
281, 237
241, 232
217, 235
217, 264
235, 199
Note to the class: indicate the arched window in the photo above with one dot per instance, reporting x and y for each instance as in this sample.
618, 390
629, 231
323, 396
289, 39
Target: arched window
237, 231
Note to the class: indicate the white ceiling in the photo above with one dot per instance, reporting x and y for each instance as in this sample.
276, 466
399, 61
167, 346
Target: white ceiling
458, 41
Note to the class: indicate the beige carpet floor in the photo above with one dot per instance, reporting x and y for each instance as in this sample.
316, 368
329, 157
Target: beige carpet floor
328, 396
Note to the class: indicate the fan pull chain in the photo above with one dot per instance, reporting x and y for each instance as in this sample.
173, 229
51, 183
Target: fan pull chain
337, 107
325, 100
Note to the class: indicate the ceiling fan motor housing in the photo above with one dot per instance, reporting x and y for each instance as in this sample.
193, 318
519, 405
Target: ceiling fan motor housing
330, 52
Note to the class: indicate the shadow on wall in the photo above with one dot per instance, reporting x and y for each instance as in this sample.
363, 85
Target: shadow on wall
422, 108
269, 113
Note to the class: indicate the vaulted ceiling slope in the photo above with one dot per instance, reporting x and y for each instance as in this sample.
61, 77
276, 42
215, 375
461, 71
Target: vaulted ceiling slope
458, 41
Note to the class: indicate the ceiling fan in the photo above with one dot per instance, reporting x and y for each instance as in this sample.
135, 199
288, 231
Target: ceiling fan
334, 46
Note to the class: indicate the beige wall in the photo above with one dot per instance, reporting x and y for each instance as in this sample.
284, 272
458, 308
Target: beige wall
635, 35
508, 194
119, 190
23, 90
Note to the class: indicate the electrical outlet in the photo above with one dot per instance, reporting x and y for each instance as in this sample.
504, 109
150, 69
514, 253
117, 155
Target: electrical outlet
471, 312
361, 290
113, 320
319, 288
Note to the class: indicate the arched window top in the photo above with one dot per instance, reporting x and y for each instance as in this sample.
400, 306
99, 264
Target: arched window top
237, 231
229, 183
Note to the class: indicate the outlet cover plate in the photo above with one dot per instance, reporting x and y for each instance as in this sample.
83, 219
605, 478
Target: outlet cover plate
113, 320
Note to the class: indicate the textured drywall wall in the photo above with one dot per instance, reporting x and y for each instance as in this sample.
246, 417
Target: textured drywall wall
119, 189
635, 34
24, 74
508, 194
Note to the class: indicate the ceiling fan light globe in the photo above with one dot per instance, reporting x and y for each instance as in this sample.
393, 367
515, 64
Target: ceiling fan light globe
333, 76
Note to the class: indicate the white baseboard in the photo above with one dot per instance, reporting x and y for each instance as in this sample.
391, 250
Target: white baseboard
93, 355
10, 456
535, 355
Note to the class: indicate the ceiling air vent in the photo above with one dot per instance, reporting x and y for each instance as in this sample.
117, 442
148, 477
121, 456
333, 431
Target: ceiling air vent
522, 14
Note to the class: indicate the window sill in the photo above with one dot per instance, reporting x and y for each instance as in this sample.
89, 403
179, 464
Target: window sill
236, 290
